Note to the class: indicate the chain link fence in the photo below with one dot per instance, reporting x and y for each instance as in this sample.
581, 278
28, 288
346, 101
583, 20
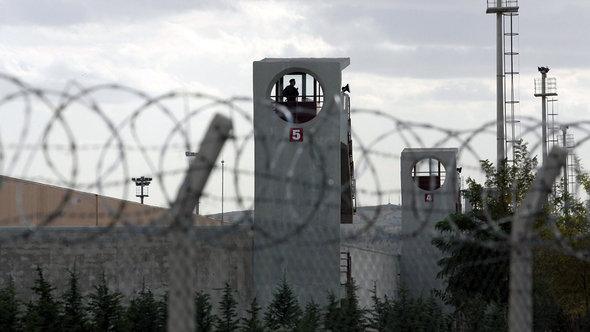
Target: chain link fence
68, 206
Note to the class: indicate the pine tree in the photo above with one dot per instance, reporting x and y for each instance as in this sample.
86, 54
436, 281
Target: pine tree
433, 315
74, 314
253, 323
9, 308
408, 314
106, 311
352, 316
381, 313
283, 312
332, 314
142, 314
162, 313
204, 318
402, 311
44, 313
227, 321
311, 319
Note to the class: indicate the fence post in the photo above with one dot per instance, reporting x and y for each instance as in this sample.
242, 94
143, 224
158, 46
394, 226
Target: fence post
520, 310
181, 306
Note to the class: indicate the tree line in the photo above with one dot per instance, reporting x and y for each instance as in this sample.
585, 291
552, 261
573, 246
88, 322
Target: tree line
102, 309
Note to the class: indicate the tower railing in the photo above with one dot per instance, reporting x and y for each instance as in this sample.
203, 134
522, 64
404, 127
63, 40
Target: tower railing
553, 125
502, 3
550, 86
572, 163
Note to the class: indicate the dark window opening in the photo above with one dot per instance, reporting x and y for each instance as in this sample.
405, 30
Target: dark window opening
429, 174
299, 102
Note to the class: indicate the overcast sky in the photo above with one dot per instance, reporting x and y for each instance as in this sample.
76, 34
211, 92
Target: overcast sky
428, 61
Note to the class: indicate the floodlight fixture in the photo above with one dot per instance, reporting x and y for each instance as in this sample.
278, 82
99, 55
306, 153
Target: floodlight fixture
141, 183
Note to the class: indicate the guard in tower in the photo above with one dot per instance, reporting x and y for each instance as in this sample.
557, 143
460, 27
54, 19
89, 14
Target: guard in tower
291, 92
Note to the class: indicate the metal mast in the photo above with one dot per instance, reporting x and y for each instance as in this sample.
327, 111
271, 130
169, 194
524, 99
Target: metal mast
500, 8
553, 133
544, 87
511, 72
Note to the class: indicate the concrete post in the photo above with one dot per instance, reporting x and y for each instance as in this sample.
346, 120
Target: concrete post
520, 310
181, 306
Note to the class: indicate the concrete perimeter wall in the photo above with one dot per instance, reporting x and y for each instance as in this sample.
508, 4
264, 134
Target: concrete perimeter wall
128, 256
373, 269
27, 203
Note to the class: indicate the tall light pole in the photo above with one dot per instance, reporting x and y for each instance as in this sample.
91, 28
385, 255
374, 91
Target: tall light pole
544, 71
496, 7
192, 155
140, 183
222, 170
543, 93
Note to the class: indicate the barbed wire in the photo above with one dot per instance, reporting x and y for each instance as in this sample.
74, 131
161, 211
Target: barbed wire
46, 140
58, 103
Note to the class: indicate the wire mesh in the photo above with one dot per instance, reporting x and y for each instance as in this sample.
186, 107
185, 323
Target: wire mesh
68, 204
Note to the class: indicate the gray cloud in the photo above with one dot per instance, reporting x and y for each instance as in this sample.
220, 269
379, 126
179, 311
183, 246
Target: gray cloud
60, 12
434, 39
451, 40
425, 62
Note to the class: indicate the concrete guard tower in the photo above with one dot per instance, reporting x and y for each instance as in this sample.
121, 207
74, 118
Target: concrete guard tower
430, 192
298, 187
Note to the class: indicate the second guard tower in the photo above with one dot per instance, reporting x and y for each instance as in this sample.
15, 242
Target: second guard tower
303, 175
430, 192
